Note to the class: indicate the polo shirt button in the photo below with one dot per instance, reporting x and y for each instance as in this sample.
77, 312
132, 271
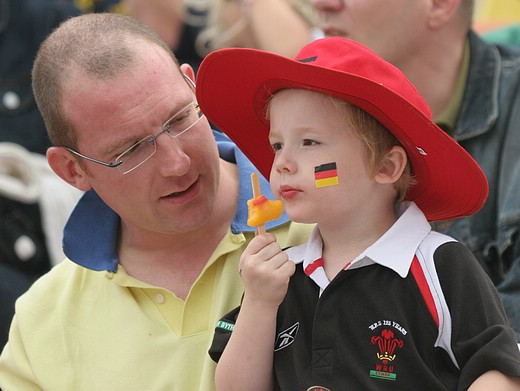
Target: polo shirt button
159, 298
11, 100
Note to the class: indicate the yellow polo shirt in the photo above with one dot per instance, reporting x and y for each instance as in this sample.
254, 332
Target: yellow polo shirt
124, 334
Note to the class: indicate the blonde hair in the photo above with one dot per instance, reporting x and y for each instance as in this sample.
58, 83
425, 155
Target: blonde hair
217, 36
377, 141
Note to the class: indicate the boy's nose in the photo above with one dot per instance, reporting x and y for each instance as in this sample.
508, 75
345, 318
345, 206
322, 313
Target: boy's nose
283, 163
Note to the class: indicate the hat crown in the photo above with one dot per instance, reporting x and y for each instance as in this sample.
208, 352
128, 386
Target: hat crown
345, 55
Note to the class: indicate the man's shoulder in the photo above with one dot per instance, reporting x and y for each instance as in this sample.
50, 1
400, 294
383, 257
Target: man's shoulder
499, 59
54, 286
509, 53
490, 94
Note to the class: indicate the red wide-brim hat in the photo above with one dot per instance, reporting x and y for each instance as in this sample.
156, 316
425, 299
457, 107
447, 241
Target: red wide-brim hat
234, 86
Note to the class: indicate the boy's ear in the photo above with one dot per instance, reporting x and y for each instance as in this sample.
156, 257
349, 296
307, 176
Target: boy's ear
393, 165
65, 165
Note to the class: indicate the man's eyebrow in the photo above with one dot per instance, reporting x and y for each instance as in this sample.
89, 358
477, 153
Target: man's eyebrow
123, 144
178, 109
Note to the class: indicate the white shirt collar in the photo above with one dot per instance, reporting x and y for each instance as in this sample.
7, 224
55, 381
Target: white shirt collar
395, 249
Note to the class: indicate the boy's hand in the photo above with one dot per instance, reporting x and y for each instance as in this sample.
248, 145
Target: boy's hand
265, 271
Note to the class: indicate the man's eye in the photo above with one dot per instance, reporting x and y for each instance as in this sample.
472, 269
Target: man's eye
178, 122
132, 150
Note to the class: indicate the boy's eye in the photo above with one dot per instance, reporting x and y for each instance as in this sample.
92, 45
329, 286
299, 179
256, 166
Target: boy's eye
308, 142
276, 146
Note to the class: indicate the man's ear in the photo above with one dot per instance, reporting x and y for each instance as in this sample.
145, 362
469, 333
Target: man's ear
65, 165
441, 11
393, 165
188, 71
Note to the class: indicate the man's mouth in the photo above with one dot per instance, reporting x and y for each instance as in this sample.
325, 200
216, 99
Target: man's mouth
183, 195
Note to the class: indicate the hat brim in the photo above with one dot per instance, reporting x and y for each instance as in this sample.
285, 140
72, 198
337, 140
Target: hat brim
234, 86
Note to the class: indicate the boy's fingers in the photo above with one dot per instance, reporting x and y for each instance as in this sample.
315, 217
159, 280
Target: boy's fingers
259, 242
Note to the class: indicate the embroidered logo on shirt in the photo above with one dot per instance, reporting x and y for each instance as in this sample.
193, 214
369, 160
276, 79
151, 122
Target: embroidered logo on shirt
388, 345
286, 337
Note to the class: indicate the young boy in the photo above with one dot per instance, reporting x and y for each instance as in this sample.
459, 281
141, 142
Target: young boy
375, 299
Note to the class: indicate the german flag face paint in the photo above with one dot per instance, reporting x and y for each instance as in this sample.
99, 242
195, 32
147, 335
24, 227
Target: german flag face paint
326, 175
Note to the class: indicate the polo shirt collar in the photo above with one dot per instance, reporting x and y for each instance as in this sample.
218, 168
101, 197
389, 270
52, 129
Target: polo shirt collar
90, 234
395, 249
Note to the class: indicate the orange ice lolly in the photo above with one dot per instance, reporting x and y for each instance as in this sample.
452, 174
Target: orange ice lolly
260, 209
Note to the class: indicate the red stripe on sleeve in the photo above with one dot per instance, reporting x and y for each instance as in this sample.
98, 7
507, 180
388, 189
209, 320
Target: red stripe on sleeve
418, 274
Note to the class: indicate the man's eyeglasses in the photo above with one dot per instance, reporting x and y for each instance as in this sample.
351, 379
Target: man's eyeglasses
141, 151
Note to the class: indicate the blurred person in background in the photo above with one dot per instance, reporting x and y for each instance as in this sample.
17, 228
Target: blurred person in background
23, 26
177, 22
279, 26
88, 6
